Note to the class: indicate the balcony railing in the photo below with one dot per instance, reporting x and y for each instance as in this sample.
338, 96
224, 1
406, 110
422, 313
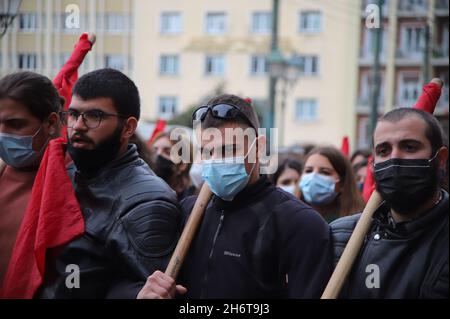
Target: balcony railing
407, 6
440, 52
405, 54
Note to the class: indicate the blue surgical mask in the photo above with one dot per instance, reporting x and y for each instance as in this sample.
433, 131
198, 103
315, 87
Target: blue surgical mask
17, 151
317, 189
226, 177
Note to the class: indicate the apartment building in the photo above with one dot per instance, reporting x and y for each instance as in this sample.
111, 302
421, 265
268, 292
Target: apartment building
45, 31
404, 41
185, 50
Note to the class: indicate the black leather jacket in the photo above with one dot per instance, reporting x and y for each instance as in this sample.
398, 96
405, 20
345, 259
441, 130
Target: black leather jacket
132, 226
411, 257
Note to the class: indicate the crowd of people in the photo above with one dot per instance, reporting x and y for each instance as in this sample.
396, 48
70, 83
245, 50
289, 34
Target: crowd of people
262, 236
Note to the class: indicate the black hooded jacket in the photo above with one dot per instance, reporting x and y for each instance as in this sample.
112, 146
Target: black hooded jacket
263, 244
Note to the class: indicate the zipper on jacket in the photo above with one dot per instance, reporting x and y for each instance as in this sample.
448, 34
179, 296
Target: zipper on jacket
205, 278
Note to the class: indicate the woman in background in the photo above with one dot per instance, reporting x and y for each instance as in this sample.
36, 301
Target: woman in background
174, 174
287, 176
328, 184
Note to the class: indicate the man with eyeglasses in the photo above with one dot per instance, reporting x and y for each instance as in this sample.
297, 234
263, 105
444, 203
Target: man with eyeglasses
255, 240
132, 217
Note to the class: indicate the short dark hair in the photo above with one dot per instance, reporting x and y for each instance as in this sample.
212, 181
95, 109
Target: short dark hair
287, 163
433, 131
113, 84
33, 90
363, 152
245, 107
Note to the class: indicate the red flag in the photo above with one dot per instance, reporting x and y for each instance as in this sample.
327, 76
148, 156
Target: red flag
68, 75
53, 218
159, 128
429, 97
345, 147
369, 181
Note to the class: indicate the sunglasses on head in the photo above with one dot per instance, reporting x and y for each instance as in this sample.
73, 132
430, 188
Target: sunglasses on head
220, 111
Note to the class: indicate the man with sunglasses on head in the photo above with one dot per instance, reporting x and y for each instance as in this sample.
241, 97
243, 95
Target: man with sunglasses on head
132, 218
255, 240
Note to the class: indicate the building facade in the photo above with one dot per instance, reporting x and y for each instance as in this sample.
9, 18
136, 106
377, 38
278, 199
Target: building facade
45, 31
405, 39
180, 52
186, 50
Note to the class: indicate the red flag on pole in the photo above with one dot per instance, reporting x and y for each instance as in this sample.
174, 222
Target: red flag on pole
68, 75
369, 181
345, 147
159, 128
431, 93
53, 218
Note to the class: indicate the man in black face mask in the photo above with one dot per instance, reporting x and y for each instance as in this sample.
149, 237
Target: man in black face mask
131, 216
405, 254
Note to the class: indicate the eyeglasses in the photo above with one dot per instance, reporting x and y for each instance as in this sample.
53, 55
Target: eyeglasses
220, 111
92, 119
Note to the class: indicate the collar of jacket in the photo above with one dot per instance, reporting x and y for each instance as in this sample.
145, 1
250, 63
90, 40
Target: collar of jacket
404, 229
125, 159
249, 194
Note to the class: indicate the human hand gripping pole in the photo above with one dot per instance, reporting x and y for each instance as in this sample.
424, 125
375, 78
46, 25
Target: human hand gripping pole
189, 232
352, 249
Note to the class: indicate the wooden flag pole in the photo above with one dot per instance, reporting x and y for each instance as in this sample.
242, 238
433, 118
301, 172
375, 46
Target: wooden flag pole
189, 232
352, 249
2, 165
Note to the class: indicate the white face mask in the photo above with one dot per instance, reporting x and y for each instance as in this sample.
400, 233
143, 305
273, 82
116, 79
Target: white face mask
288, 188
195, 173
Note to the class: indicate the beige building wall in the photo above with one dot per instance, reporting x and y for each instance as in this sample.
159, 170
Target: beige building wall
51, 42
336, 45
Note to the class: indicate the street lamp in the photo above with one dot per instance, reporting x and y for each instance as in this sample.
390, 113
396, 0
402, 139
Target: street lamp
276, 63
8, 11
288, 71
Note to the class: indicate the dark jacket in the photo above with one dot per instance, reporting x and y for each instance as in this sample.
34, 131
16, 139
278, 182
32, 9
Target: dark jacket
412, 257
132, 226
252, 246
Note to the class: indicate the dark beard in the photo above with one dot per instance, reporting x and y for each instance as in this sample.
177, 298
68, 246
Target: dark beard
404, 202
89, 161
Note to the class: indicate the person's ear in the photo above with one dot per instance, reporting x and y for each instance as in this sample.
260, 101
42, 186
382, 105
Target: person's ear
129, 127
442, 157
338, 186
53, 126
261, 144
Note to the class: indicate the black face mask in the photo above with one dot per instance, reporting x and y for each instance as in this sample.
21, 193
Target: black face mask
164, 167
406, 184
91, 160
